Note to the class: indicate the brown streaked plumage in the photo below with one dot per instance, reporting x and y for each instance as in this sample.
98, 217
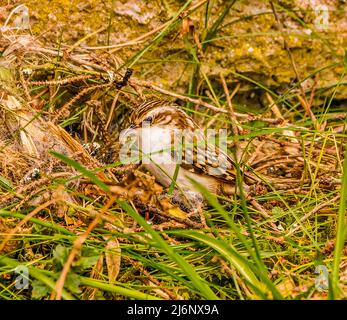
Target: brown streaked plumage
163, 113
217, 177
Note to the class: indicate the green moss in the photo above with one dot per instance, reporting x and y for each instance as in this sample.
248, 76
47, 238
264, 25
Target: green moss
247, 41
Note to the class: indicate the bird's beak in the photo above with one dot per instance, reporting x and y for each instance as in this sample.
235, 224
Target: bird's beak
127, 132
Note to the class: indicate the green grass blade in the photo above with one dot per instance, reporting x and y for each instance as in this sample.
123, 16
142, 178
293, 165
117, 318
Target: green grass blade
81, 169
135, 294
261, 270
213, 30
56, 227
131, 62
7, 185
340, 234
35, 273
198, 283
228, 252
174, 179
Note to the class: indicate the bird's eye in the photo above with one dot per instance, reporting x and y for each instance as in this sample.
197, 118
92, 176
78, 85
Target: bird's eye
149, 119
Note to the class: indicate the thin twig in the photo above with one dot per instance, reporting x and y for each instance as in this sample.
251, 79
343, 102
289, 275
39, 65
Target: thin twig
242, 116
274, 108
312, 212
65, 108
234, 123
302, 98
57, 293
113, 106
24, 221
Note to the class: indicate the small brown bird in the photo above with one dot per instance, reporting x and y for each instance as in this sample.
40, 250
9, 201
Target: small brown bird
170, 140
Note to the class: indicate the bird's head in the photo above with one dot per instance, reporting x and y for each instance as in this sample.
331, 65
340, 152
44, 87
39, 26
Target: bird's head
161, 114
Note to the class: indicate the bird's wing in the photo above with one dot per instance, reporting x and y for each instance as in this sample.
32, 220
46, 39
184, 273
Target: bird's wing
201, 157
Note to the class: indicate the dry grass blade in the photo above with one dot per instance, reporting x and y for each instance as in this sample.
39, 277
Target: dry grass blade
113, 259
57, 293
24, 221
